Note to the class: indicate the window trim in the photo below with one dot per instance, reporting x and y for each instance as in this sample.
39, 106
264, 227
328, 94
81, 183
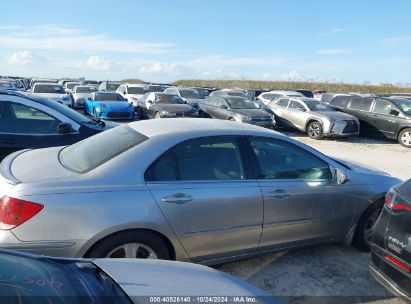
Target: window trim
258, 171
244, 159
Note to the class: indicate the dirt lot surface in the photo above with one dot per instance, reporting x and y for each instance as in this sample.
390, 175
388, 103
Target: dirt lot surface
329, 273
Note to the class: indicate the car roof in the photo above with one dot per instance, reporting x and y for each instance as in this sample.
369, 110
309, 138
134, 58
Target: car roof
195, 126
48, 83
284, 92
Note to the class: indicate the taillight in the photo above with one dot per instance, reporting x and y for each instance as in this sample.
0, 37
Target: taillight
396, 203
14, 212
397, 263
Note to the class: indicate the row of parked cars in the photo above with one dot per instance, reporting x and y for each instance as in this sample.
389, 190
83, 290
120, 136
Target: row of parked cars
97, 195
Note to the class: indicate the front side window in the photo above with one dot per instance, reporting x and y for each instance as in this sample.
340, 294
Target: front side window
383, 107
296, 105
202, 159
278, 159
19, 119
283, 102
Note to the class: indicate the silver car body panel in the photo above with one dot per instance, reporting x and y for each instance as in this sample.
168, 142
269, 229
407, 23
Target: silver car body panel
142, 278
230, 219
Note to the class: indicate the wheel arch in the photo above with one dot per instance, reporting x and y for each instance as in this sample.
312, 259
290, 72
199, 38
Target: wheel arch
89, 247
310, 120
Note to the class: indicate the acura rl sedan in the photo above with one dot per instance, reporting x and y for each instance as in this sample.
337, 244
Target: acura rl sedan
198, 190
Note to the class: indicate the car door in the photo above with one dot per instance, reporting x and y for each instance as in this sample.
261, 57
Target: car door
361, 108
211, 105
302, 201
384, 120
202, 188
296, 114
279, 108
23, 127
222, 110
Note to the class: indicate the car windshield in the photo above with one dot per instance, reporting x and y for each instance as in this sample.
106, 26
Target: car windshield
35, 279
85, 89
316, 105
112, 86
49, 89
404, 105
108, 97
191, 94
71, 85
169, 99
240, 103
99, 149
136, 90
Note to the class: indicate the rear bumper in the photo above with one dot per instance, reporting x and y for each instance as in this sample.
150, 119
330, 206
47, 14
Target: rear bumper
388, 284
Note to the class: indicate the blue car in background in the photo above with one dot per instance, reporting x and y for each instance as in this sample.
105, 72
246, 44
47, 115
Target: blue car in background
108, 105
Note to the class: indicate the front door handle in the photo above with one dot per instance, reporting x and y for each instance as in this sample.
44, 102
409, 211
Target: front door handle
279, 193
178, 198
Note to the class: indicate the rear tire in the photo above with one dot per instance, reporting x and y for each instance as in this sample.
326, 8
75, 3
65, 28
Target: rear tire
365, 227
110, 247
315, 130
404, 138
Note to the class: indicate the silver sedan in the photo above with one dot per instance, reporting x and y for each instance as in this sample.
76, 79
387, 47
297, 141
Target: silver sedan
197, 190
315, 117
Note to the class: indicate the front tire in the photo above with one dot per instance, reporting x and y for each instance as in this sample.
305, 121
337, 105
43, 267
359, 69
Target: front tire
131, 244
404, 138
365, 227
315, 130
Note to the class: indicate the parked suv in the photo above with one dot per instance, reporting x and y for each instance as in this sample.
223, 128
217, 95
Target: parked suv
315, 117
391, 254
380, 116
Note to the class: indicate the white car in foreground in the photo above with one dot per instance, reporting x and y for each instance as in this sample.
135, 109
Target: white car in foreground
52, 91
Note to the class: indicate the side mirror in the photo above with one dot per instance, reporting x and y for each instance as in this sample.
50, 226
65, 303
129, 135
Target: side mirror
64, 128
301, 109
149, 101
394, 113
223, 107
341, 177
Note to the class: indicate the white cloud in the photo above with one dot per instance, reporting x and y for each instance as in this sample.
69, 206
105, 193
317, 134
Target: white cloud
332, 32
333, 51
19, 58
98, 63
292, 76
60, 38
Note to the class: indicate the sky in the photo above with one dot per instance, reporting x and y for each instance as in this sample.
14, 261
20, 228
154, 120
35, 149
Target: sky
161, 40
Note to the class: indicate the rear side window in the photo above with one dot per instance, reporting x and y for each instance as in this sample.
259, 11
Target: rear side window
209, 158
341, 101
97, 150
363, 104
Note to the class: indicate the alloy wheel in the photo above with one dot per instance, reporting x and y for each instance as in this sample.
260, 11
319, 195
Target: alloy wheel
133, 250
314, 130
406, 138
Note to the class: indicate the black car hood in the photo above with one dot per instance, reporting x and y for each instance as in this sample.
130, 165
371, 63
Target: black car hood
175, 108
253, 113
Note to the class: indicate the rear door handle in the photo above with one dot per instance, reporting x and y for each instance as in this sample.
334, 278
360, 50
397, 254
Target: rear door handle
279, 193
178, 198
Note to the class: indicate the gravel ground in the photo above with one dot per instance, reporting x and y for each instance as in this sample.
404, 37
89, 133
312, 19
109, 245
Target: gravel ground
329, 273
